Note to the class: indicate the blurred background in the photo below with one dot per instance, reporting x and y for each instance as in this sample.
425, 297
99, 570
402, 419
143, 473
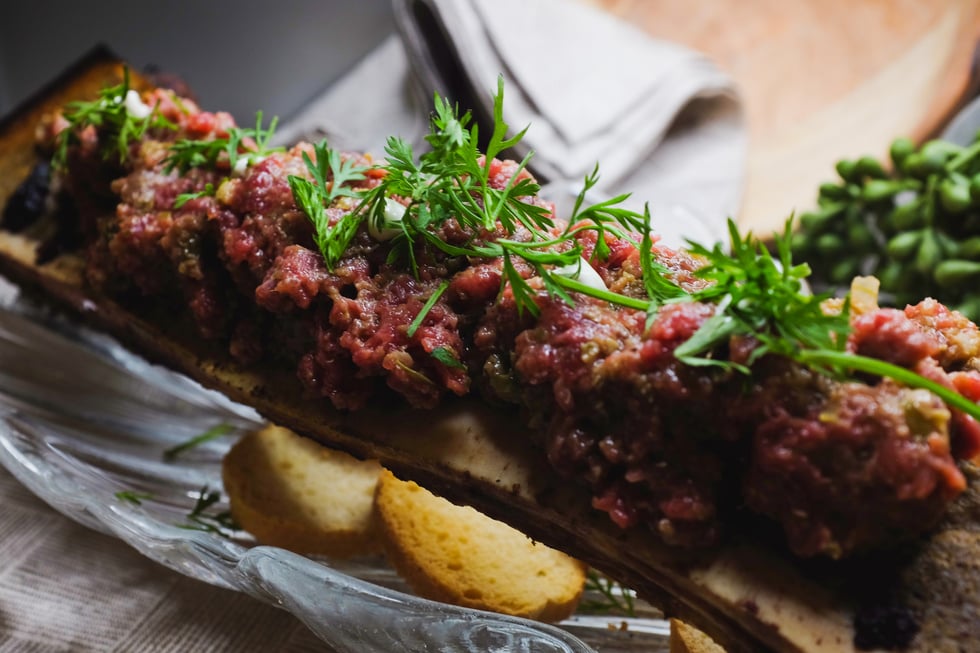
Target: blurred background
820, 79
238, 56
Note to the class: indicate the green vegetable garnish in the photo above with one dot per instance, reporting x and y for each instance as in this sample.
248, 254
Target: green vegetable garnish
615, 597
117, 128
212, 433
447, 357
135, 498
452, 181
198, 519
755, 294
915, 227
331, 173
184, 198
192, 153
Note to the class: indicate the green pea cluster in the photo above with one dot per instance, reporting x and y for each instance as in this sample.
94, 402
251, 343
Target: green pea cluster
916, 226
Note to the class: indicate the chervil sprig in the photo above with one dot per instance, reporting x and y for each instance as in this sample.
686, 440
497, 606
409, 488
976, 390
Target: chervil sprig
453, 181
190, 153
332, 175
119, 116
758, 296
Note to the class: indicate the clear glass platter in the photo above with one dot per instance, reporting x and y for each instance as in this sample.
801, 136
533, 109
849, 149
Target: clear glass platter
84, 424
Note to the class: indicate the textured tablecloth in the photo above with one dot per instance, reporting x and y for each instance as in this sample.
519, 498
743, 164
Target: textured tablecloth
64, 587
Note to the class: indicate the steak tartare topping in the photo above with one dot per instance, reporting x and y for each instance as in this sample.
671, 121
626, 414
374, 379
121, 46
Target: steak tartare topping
368, 280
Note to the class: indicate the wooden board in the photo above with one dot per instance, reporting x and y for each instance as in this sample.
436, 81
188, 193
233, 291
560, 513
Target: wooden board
823, 79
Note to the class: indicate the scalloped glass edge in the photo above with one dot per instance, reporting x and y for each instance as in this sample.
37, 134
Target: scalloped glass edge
82, 420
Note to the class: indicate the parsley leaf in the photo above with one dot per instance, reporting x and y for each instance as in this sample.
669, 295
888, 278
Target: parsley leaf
447, 357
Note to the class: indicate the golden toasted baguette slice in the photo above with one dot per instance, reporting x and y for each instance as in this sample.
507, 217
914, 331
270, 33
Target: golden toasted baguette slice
685, 638
289, 491
457, 555
748, 594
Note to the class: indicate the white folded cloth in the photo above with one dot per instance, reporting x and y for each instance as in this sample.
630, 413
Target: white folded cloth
661, 120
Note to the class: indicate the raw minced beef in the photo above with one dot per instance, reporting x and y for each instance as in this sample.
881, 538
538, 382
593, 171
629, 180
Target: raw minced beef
842, 466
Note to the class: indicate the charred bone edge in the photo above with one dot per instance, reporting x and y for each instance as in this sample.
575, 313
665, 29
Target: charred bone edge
745, 596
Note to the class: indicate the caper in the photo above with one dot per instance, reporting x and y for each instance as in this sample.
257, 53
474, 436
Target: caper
907, 216
799, 242
969, 248
975, 187
868, 166
914, 165
847, 169
843, 271
900, 149
891, 275
955, 272
880, 189
938, 152
829, 244
929, 254
859, 237
954, 194
904, 244
833, 191
819, 221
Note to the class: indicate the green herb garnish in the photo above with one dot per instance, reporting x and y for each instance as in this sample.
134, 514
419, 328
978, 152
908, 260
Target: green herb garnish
447, 357
760, 299
212, 433
192, 153
184, 198
452, 181
135, 498
331, 176
615, 597
433, 298
758, 296
198, 519
108, 114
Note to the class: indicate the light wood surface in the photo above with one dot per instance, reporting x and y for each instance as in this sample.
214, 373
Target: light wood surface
823, 79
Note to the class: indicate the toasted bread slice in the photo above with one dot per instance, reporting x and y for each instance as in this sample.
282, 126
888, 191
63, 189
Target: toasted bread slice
685, 638
457, 555
748, 594
289, 491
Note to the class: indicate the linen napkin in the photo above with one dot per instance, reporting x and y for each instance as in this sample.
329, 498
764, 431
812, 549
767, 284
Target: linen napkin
662, 121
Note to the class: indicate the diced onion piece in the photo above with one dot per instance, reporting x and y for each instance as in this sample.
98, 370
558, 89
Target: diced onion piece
864, 295
394, 213
583, 273
243, 162
135, 107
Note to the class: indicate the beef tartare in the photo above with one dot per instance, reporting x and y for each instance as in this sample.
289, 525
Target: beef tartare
367, 281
